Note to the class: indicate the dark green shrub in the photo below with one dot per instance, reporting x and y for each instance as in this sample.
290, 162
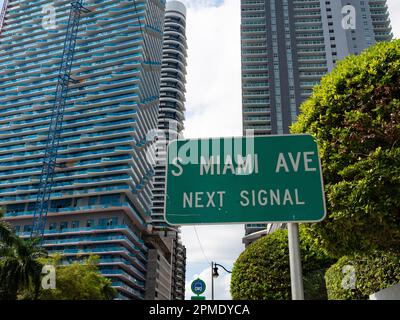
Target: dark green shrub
355, 116
373, 272
262, 271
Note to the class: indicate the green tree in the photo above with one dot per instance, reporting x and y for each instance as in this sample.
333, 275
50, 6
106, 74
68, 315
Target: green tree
6, 239
262, 271
80, 280
372, 272
354, 114
6, 231
21, 263
19, 267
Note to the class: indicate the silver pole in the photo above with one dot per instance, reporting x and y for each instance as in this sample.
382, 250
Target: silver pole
296, 274
212, 281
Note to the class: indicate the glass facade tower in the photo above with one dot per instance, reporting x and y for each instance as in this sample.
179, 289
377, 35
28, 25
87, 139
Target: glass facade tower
170, 125
172, 99
101, 199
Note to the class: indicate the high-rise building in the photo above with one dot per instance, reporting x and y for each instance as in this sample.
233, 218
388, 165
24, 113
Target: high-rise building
172, 100
170, 126
178, 270
289, 45
101, 198
159, 268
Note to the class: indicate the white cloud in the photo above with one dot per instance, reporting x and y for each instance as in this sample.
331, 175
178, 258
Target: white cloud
221, 285
214, 74
213, 110
221, 244
195, 4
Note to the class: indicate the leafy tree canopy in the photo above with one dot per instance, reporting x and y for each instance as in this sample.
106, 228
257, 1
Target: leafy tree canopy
76, 281
19, 267
262, 271
355, 116
21, 262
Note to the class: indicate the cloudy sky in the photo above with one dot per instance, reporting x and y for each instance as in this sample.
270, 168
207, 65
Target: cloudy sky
213, 110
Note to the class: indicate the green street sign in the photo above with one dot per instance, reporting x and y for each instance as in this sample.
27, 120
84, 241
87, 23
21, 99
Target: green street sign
244, 180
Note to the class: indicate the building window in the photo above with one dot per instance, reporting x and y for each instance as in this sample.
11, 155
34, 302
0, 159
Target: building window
59, 204
75, 224
53, 226
112, 222
92, 200
14, 208
63, 225
110, 199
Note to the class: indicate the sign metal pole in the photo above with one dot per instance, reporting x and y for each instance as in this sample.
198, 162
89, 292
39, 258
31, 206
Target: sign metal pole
212, 281
296, 274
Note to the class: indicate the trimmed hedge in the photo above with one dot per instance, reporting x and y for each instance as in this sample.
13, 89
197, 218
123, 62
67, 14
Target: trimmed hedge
374, 272
354, 114
262, 271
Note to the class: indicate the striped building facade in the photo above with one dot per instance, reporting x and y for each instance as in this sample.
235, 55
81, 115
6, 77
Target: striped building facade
170, 125
101, 200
